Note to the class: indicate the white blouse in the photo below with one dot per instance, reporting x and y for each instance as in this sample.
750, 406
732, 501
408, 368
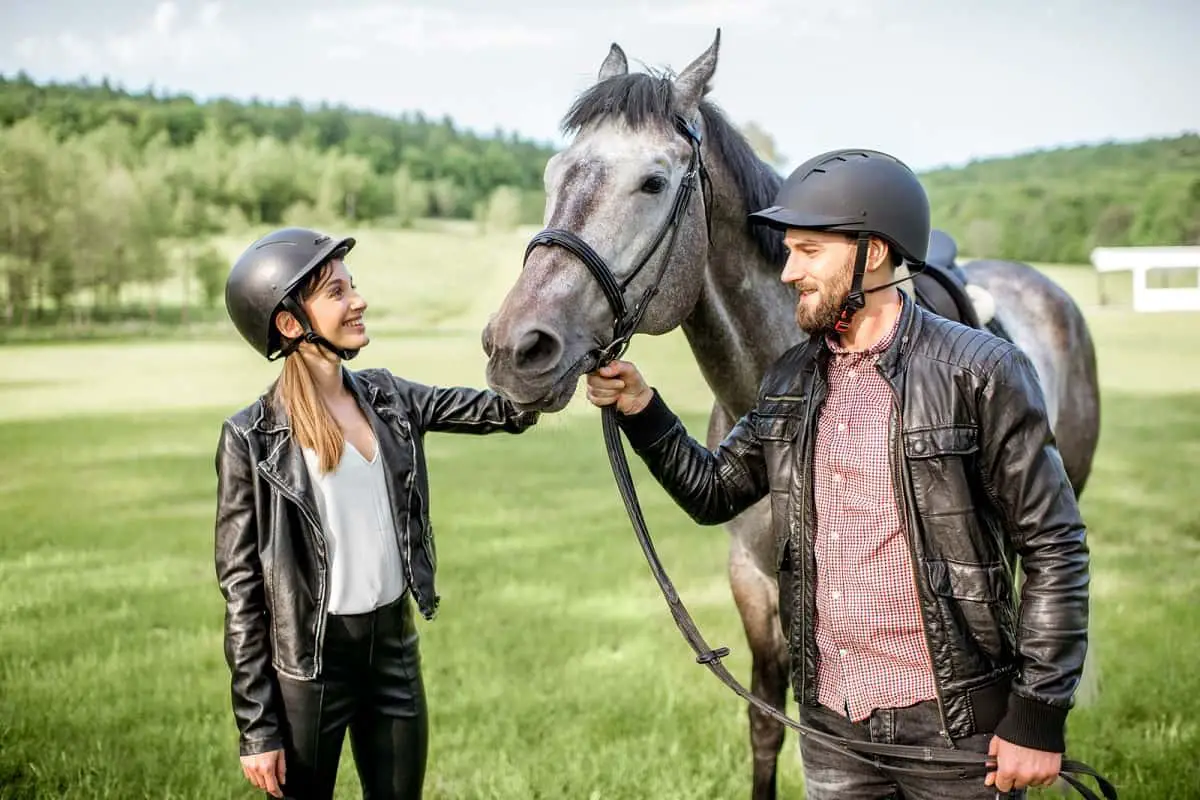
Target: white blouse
364, 556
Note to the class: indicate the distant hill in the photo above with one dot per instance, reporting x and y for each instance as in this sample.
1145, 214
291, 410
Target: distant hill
455, 169
262, 161
1056, 205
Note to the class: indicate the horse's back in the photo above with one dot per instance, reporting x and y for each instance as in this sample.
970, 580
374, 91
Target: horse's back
1046, 322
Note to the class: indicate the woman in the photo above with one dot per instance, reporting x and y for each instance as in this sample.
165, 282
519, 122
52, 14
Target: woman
323, 541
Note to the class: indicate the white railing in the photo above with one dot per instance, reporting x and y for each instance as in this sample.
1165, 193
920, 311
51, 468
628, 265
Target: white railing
1141, 261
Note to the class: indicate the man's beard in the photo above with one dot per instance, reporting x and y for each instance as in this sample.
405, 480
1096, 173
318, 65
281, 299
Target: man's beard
830, 297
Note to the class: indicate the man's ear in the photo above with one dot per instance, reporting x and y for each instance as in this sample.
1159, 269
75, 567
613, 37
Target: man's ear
878, 254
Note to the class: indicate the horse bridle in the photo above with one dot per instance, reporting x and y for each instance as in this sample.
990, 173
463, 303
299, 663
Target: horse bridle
944, 763
625, 318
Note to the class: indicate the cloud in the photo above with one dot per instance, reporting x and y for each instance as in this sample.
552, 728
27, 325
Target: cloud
817, 19
709, 13
165, 37
426, 29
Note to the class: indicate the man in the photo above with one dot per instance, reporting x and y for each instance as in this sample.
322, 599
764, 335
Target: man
909, 461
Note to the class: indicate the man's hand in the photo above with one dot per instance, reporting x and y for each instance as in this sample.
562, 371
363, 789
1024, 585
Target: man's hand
619, 382
1018, 767
266, 771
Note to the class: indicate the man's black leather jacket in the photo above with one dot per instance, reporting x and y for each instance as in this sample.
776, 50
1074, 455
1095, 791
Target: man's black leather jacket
979, 481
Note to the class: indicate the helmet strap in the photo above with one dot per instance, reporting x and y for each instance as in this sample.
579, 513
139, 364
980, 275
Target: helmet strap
857, 297
913, 269
310, 335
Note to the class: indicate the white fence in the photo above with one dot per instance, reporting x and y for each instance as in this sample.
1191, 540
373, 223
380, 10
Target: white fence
1140, 261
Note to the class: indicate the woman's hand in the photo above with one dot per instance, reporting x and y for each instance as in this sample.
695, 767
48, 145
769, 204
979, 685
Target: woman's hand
266, 771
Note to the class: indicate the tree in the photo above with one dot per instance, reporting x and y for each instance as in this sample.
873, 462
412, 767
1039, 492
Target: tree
502, 211
210, 270
763, 144
410, 197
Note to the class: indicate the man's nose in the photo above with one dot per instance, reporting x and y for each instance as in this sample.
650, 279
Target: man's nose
792, 270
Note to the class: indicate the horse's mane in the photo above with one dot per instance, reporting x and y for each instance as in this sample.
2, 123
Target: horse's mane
641, 99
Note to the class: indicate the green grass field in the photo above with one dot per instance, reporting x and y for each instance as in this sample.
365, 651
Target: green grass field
554, 669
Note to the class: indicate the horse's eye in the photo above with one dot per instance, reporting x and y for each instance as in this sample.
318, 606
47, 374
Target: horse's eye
654, 184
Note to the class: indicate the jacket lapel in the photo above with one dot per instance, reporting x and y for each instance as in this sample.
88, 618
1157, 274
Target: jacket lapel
284, 465
392, 433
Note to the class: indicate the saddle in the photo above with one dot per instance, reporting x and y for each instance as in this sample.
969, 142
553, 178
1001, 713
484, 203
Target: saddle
941, 286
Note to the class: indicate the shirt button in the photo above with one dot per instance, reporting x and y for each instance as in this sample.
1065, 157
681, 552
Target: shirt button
841, 426
842, 653
852, 373
836, 478
833, 536
835, 594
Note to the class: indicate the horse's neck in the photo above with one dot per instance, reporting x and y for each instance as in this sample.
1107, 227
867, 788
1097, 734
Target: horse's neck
745, 316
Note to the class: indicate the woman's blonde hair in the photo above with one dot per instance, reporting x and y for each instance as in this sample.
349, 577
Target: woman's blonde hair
296, 394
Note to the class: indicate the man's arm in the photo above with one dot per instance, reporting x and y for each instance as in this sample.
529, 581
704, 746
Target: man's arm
1027, 481
711, 486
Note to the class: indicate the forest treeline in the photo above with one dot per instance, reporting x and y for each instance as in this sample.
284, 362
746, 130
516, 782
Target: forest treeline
96, 181
1056, 205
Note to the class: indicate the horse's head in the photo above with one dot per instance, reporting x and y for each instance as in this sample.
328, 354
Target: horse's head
630, 187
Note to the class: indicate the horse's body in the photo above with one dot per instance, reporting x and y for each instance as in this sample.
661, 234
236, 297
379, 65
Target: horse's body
613, 186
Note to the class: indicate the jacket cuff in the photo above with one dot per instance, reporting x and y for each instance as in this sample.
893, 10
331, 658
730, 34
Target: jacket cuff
648, 425
524, 420
1035, 725
252, 747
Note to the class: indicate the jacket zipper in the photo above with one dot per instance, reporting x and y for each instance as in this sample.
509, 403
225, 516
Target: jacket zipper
905, 519
319, 536
405, 536
805, 467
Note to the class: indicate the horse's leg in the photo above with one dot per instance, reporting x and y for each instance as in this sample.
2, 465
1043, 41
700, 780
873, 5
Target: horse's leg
756, 593
757, 596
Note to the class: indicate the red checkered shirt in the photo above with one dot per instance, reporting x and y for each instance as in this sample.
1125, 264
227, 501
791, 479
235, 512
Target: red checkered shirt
873, 652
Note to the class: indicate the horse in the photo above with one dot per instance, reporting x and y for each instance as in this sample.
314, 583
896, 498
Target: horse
624, 181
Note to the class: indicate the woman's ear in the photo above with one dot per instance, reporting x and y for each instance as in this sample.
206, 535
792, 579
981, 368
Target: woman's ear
287, 324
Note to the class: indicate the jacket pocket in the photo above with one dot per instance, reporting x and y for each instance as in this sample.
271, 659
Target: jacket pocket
780, 529
941, 462
776, 426
949, 440
980, 583
972, 600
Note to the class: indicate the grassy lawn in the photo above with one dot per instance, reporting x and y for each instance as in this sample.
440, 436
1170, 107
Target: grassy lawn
554, 670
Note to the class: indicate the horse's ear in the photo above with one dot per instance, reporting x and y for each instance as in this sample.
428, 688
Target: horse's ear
615, 64
693, 83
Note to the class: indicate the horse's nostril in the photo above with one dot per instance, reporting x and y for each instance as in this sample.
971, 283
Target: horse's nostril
488, 340
538, 349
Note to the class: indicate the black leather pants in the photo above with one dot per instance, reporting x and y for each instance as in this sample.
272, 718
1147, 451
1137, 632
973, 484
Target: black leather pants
370, 682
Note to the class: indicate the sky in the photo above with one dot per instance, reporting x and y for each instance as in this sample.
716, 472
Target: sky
933, 82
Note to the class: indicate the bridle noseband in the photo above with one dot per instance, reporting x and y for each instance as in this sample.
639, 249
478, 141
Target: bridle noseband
626, 319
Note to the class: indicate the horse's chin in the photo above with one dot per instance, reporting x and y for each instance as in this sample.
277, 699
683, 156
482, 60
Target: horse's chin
546, 400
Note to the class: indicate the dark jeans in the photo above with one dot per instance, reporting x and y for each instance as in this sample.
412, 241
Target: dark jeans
370, 682
830, 775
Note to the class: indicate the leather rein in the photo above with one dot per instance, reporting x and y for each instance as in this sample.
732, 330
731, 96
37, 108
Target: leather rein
928, 762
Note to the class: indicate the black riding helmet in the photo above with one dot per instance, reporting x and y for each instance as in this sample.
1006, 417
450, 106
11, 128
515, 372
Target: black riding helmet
263, 281
860, 193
